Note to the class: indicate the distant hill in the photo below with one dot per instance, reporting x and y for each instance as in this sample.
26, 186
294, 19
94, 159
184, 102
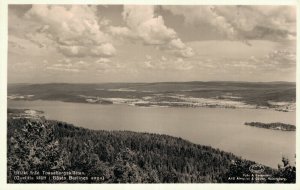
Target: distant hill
252, 93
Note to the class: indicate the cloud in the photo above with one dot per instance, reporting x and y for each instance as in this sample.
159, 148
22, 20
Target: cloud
242, 22
80, 63
76, 29
41, 40
103, 60
163, 58
182, 65
204, 14
72, 50
81, 30
274, 60
66, 60
177, 43
68, 65
24, 46
69, 23
107, 66
151, 29
281, 59
106, 50
149, 57
72, 70
25, 65
186, 52
148, 64
179, 48
121, 32
143, 23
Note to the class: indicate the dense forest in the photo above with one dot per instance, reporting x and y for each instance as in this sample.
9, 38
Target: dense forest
55, 150
274, 126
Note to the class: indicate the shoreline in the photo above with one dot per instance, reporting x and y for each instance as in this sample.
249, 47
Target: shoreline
165, 104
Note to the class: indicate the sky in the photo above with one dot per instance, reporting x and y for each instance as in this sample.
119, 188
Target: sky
130, 43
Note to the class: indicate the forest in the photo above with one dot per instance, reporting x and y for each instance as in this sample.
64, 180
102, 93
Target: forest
54, 149
274, 126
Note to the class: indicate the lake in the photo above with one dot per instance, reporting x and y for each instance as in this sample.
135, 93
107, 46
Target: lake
217, 127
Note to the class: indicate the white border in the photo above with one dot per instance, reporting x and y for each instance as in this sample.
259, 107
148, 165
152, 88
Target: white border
3, 98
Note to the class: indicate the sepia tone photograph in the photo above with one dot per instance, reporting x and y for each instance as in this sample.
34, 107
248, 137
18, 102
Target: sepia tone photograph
151, 94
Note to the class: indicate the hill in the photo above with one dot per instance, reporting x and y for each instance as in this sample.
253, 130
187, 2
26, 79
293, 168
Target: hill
280, 96
44, 151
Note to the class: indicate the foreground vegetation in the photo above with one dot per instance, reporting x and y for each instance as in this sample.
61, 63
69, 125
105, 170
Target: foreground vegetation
39, 148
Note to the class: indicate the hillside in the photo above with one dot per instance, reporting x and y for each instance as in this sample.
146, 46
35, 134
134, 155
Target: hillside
43, 151
280, 96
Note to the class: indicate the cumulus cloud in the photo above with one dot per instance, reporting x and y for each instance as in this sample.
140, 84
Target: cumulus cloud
121, 32
243, 22
186, 52
80, 30
151, 29
106, 50
75, 29
180, 48
69, 24
181, 65
71, 50
177, 43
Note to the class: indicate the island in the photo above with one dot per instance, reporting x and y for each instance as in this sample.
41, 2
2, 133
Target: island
273, 126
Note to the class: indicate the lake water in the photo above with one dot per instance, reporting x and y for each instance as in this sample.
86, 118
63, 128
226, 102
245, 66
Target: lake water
217, 127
